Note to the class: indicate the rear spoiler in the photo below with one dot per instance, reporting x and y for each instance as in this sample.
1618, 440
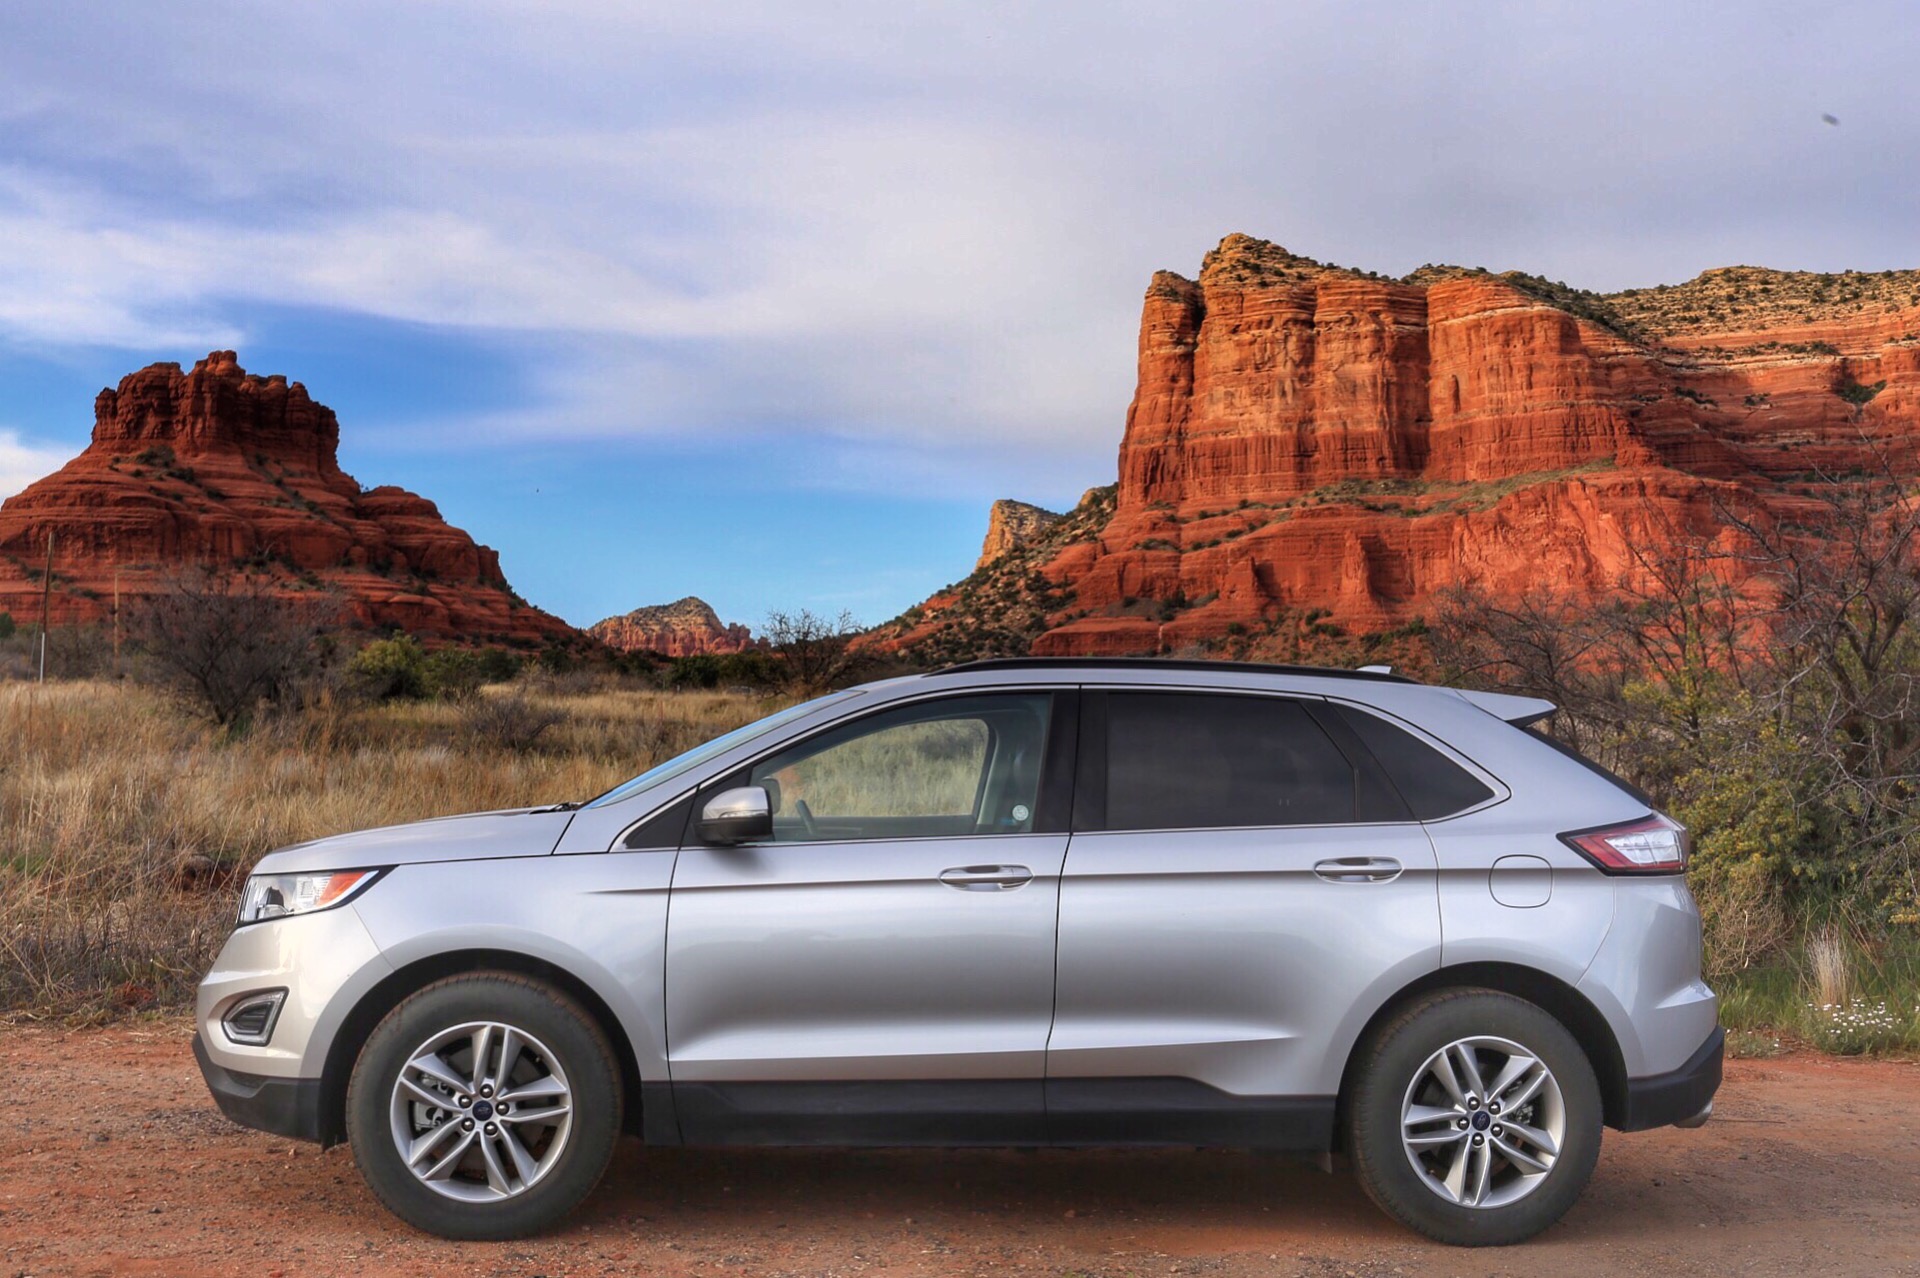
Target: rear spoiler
1519, 711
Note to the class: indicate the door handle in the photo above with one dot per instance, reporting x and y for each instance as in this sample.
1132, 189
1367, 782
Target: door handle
986, 878
1358, 869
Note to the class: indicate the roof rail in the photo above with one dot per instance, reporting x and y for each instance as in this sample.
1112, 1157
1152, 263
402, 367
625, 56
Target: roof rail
1169, 663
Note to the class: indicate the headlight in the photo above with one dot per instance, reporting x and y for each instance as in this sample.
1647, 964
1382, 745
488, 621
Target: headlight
274, 896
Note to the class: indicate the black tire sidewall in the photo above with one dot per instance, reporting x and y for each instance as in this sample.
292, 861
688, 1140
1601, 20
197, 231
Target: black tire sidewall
1401, 1048
548, 1015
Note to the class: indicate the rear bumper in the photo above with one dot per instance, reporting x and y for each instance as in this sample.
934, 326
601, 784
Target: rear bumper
283, 1106
1661, 1100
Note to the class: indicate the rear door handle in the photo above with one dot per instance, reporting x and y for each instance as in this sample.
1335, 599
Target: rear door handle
986, 878
1358, 869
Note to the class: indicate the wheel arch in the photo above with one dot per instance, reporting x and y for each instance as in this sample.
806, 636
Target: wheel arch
1549, 993
396, 986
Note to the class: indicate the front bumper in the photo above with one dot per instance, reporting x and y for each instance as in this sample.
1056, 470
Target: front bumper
283, 1106
325, 961
1662, 1100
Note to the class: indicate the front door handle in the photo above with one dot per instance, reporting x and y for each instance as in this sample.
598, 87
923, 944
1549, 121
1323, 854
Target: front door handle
986, 878
1358, 869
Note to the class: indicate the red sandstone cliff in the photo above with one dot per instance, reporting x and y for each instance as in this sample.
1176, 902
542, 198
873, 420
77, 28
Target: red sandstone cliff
685, 628
219, 467
1309, 439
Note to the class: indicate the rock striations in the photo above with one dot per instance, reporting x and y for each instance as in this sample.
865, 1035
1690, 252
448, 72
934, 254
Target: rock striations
1306, 439
685, 628
221, 468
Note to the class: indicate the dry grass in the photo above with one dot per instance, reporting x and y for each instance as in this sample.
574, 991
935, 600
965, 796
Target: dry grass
1830, 971
124, 826
1834, 991
1745, 922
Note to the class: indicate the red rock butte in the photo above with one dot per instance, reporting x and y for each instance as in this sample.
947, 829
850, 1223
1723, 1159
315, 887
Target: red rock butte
1310, 438
221, 468
685, 628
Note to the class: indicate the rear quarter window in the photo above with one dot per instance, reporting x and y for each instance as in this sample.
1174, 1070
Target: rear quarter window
1433, 785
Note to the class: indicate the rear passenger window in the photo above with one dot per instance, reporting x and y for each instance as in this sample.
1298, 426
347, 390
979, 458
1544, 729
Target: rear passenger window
1432, 784
1204, 761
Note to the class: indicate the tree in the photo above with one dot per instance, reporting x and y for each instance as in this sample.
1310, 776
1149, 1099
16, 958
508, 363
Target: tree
816, 653
227, 641
1542, 644
1843, 571
1762, 681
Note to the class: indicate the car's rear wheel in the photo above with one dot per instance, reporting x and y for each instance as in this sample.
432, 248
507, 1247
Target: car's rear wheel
1474, 1118
484, 1106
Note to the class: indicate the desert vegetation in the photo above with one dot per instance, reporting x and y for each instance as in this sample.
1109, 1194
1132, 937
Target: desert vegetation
166, 752
127, 820
1764, 687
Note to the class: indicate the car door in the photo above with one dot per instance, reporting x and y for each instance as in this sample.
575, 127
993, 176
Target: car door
881, 969
1241, 880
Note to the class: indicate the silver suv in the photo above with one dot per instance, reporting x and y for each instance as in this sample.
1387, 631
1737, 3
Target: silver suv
1025, 902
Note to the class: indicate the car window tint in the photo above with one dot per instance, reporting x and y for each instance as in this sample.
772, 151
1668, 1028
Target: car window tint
1200, 761
962, 766
1432, 784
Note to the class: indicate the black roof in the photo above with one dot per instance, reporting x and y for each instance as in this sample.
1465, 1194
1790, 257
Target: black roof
1169, 663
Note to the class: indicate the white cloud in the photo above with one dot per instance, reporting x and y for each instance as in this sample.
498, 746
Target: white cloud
919, 231
21, 462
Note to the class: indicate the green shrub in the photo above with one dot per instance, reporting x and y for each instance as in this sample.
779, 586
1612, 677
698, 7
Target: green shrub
702, 670
1856, 393
497, 665
392, 669
754, 668
453, 673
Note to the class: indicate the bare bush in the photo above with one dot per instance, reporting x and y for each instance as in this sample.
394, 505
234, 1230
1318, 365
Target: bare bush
511, 720
72, 652
1542, 645
1743, 920
227, 641
816, 653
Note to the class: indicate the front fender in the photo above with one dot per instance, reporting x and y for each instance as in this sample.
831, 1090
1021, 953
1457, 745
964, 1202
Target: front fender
600, 919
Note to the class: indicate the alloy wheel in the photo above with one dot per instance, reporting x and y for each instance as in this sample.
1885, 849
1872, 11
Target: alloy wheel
481, 1112
1483, 1122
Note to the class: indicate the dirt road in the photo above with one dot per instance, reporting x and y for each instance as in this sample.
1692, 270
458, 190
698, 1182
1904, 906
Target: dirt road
114, 1161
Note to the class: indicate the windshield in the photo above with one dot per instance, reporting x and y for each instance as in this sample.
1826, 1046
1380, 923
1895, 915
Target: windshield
713, 749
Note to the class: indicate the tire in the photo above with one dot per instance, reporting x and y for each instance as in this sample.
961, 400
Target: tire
482, 1172
1414, 1157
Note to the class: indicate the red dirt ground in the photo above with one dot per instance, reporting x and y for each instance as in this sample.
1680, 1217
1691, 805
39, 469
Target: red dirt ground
114, 1161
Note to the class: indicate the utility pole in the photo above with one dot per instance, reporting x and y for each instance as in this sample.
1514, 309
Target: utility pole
116, 620
46, 606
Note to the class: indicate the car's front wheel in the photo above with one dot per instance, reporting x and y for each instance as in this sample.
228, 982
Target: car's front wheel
484, 1106
1474, 1118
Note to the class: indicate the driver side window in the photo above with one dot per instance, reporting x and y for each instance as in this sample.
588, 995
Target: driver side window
960, 766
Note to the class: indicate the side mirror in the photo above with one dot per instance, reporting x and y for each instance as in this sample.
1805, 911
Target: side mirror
740, 815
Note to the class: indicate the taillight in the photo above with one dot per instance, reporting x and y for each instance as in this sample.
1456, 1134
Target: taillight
1653, 846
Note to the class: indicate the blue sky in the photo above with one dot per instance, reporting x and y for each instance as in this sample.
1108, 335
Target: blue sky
767, 302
